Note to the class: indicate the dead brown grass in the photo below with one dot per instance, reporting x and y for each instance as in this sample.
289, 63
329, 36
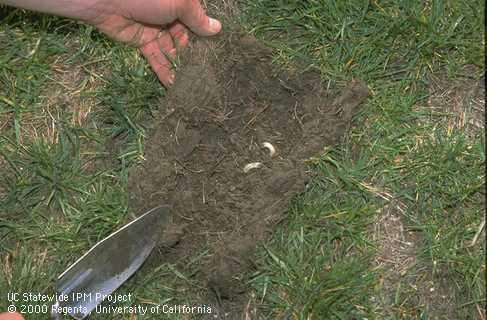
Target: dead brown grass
462, 98
68, 91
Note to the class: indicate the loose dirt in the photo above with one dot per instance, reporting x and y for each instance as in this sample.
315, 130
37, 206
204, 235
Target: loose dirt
227, 101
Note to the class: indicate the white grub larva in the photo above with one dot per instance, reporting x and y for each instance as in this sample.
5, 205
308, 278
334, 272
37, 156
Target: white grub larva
253, 165
270, 147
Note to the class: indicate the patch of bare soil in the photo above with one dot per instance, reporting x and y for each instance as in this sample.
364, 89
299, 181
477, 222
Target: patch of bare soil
227, 102
408, 288
463, 98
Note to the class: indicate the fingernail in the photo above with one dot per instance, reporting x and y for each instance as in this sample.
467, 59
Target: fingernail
171, 79
183, 40
215, 25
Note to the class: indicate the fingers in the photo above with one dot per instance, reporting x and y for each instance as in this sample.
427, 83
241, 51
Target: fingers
179, 35
159, 53
166, 44
191, 13
137, 34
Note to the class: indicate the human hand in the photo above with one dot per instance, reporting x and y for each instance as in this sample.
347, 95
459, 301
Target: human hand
10, 316
159, 28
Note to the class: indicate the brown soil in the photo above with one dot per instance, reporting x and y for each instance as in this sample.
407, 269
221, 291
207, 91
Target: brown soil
227, 101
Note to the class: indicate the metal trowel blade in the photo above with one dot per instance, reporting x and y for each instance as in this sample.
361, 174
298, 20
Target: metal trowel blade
108, 264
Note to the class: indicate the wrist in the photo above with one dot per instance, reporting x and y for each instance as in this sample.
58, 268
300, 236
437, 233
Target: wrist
85, 10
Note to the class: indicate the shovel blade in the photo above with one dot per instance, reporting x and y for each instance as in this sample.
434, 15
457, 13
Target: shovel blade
108, 264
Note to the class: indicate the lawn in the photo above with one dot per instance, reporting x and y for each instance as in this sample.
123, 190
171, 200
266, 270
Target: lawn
392, 225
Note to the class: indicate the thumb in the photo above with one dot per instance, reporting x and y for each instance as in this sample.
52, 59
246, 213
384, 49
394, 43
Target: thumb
192, 14
10, 316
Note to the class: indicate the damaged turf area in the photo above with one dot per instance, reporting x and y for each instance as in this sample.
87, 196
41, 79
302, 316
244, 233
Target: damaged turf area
228, 101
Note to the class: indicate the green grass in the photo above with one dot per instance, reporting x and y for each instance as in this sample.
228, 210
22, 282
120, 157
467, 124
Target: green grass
373, 40
65, 163
400, 147
317, 265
